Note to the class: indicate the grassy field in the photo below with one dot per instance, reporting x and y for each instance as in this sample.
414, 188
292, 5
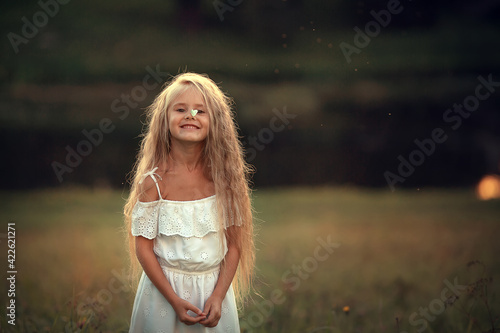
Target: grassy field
393, 255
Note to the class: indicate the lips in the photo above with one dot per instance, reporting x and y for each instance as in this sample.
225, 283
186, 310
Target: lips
189, 126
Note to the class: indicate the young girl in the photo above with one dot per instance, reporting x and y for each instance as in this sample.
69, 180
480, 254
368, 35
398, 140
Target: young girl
189, 215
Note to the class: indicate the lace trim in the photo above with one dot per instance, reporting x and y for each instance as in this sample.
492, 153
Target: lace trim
184, 218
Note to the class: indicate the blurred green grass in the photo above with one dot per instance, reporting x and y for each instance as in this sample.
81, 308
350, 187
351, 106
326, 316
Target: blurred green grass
395, 250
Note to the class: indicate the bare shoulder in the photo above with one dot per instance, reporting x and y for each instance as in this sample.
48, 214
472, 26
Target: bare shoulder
148, 191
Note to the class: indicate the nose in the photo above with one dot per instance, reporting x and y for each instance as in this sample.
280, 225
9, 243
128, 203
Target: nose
192, 113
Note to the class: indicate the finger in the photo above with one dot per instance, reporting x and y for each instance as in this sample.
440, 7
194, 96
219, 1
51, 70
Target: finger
196, 310
210, 323
207, 320
206, 309
212, 320
188, 320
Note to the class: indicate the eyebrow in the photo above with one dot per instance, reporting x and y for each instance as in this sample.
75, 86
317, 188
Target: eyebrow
184, 104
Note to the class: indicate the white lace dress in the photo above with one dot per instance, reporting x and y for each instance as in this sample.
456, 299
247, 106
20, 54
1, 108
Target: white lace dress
187, 246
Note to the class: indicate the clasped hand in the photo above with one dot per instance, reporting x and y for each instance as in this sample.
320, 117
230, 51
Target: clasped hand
209, 317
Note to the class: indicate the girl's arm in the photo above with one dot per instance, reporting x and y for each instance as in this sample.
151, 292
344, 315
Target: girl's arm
213, 304
148, 261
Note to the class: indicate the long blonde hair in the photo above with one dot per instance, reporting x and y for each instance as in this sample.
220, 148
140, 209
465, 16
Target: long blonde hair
224, 159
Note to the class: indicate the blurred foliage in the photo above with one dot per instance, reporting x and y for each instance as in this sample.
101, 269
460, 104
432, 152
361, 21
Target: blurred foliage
353, 119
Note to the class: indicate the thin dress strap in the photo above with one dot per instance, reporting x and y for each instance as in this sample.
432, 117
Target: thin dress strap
152, 173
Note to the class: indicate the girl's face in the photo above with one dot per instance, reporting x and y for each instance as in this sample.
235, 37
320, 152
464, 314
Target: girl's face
183, 126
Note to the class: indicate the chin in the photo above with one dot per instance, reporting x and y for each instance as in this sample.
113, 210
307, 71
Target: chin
190, 139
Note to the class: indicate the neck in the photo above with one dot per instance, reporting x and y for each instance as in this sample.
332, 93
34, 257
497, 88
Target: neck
189, 155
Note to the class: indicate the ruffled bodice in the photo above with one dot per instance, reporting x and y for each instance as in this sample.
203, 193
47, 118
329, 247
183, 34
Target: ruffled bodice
185, 233
194, 218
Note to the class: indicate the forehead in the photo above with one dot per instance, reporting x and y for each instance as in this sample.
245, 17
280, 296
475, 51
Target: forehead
190, 97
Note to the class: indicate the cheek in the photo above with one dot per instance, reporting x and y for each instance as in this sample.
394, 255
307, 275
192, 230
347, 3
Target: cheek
172, 120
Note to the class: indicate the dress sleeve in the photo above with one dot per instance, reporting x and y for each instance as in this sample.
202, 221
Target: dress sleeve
145, 219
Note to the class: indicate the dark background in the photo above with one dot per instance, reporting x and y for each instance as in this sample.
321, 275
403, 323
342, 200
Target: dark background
352, 120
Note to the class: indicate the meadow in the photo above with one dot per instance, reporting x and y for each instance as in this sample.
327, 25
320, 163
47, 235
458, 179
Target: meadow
410, 254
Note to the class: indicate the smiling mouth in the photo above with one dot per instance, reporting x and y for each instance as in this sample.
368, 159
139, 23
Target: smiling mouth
190, 127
